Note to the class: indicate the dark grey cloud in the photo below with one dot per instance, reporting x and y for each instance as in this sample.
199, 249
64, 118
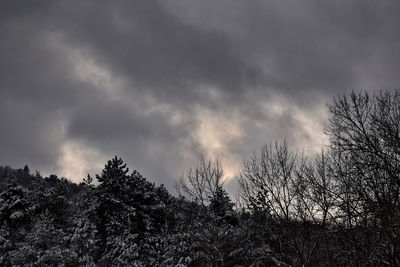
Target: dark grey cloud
160, 82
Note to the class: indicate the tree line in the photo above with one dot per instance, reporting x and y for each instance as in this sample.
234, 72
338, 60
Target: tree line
340, 209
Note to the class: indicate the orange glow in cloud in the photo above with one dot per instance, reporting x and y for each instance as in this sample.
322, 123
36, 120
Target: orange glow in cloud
214, 134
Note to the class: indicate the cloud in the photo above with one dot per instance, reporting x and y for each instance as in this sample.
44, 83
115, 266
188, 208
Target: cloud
76, 160
161, 82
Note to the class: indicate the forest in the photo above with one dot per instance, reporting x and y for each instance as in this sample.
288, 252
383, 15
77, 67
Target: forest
340, 208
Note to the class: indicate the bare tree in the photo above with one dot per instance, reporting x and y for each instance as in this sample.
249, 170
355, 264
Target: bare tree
316, 189
275, 182
364, 131
202, 182
364, 134
269, 182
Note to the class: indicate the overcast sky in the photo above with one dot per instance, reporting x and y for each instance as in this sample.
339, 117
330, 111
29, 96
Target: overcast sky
161, 82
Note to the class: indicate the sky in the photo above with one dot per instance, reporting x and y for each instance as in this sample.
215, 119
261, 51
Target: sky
160, 83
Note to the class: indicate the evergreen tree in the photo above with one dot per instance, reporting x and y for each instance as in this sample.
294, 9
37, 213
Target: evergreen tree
220, 203
126, 207
13, 204
113, 175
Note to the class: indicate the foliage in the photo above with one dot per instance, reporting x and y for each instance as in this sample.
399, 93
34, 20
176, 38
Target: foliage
340, 209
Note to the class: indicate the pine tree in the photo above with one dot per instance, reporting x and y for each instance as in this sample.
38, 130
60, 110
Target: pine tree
220, 203
110, 209
14, 204
113, 176
126, 206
